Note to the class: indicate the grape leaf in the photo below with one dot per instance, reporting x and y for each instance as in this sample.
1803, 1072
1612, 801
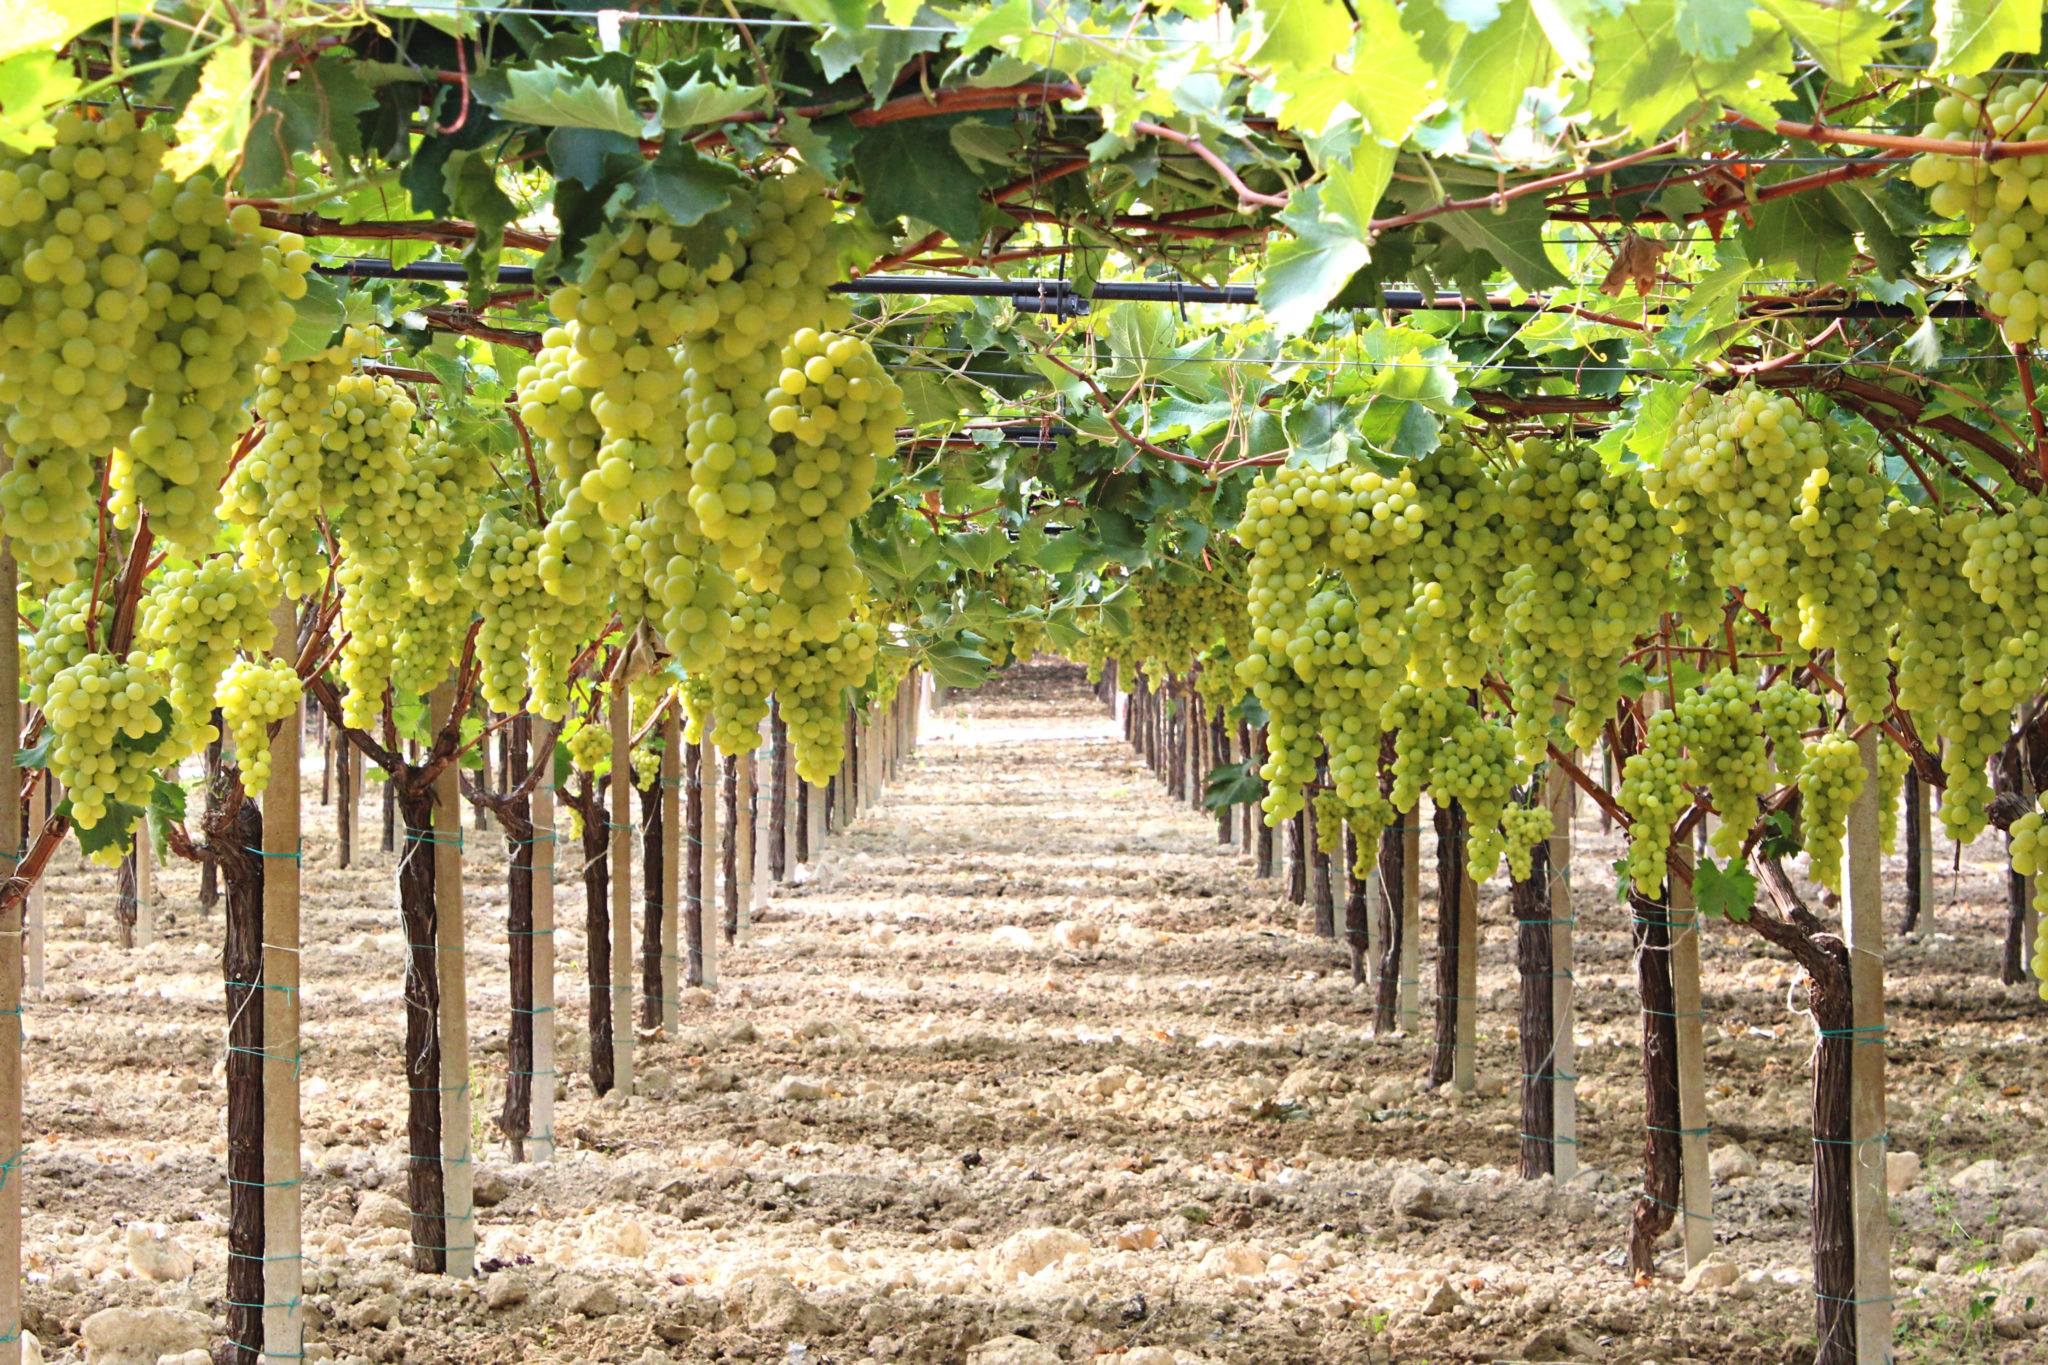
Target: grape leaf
1644, 78
1843, 36
1969, 35
684, 183
910, 169
1233, 784
1304, 272
1513, 238
697, 100
1304, 34
214, 125
955, 663
166, 806
1390, 83
1714, 29
316, 318
1496, 65
1724, 893
31, 83
49, 24
113, 830
1802, 232
37, 756
553, 97
151, 742
980, 551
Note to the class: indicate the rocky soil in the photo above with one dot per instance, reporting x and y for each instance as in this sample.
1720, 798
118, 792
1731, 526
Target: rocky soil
919, 1122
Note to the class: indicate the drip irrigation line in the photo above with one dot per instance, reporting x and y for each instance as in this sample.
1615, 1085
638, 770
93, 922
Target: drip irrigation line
1042, 295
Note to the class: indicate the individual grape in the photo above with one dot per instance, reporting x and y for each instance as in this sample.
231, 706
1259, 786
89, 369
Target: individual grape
254, 695
1828, 785
194, 620
106, 726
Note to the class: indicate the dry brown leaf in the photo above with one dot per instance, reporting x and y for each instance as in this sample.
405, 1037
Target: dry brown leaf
1636, 261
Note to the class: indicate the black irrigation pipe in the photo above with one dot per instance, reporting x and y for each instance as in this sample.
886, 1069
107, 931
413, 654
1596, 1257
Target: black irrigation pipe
1060, 296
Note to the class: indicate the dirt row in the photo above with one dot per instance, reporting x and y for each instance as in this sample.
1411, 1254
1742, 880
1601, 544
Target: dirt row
920, 1122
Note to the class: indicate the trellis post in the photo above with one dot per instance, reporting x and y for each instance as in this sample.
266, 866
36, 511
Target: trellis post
458, 1160
621, 841
540, 1143
1863, 924
707, 854
672, 845
1557, 795
1695, 1183
12, 841
283, 1270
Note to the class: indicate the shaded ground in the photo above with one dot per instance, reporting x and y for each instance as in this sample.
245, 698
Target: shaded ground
1180, 1136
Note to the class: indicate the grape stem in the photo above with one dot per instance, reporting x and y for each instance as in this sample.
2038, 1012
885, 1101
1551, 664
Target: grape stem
2026, 362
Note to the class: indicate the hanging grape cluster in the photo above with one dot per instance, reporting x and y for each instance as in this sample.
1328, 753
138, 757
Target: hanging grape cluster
2007, 214
106, 727
253, 697
132, 309
2028, 850
194, 620
1589, 573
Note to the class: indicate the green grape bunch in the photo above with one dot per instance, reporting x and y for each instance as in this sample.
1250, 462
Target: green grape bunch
590, 748
1787, 713
1732, 473
1955, 677
1590, 572
2005, 202
277, 492
220, 298
1716, 737
1454, 617
834, 413
1829, 784
1523, 827
105, 725
1845, 602
73, 238
193, 621
253, 696
2027, 848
